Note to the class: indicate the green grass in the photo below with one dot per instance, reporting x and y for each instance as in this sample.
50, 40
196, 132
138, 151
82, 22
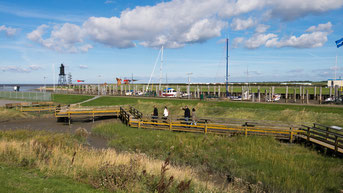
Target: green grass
17, 180
283, 113
69, 99
280, 167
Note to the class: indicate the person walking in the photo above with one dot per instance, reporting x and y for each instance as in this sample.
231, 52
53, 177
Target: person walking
155, 113
165, 113
187, 114
194, 117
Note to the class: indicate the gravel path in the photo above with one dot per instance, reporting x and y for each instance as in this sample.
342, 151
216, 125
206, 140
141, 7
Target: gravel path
50, 124
3, 102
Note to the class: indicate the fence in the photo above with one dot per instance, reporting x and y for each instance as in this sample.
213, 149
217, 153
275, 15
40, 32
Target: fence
32, 96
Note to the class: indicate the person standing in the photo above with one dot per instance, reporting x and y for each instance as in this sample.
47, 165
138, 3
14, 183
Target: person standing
165, 113
194, 117
155, 113
187, 114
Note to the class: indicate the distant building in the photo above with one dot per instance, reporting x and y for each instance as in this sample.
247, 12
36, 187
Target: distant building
334, 82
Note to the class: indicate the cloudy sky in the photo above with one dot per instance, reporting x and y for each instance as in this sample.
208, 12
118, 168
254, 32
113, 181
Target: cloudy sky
98, 40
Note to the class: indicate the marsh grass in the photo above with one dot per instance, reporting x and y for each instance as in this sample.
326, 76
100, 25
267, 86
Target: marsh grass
63, 155
276, 166
11, 114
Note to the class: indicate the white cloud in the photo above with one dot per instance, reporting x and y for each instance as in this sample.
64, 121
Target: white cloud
311, 40
258, 40
83, 66
8, 30
325, 27
261, 28
20, 69
65, 38
307, 40
241, 24
292, 9
108, 2
176, 23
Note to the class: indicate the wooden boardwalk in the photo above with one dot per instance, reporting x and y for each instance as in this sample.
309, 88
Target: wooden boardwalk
86, 112
324, 136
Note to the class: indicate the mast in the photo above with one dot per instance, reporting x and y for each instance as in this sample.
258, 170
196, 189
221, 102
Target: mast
227, 67
161, 68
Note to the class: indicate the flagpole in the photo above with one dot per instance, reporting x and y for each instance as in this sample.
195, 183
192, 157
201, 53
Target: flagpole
336, 66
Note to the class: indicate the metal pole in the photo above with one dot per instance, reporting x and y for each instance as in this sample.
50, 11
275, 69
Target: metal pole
227, 67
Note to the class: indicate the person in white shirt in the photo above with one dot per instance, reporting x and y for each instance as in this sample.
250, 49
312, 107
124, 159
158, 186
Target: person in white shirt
165, 113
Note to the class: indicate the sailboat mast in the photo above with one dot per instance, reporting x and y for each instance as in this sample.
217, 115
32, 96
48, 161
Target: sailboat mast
227, 67
161, 68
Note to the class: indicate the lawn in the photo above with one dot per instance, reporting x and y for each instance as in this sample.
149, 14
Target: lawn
276, 166
69, 99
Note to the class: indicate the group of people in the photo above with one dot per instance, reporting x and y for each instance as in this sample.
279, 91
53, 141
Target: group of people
188, 114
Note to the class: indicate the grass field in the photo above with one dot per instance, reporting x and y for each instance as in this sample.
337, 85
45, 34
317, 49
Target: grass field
69, 99
274, 166
283, 113
20, 179
61, 158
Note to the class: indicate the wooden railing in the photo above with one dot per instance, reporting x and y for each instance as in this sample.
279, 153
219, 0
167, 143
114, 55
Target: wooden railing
136, 114
324, 135
124, 116
189, 126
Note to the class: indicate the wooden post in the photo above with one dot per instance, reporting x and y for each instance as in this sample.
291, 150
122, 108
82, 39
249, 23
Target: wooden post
253, 97
218, 91
320, 95
315, 93
170, 125
242, 91
307, 99
265, 95
139, 123
303, 98
286, 96
205, 130
336, 143
246, 130
295, 95
259, 93
291, 136
273, 91
270, 94
208, 89
330, 91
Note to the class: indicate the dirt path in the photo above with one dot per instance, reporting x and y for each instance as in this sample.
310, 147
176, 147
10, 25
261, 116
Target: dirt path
50, 124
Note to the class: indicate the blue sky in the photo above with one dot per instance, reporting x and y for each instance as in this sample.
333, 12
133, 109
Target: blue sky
99, 40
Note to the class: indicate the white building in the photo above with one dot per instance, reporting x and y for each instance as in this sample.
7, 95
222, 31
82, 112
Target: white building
334, 82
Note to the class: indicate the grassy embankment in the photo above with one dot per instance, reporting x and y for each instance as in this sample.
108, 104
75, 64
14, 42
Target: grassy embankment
283, 113
61, 158
262, 161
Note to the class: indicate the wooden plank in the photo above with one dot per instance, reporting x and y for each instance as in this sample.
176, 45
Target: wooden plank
332, 147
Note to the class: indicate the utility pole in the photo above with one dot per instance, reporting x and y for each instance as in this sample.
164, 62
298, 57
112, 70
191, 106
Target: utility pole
227, 67
189, 82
